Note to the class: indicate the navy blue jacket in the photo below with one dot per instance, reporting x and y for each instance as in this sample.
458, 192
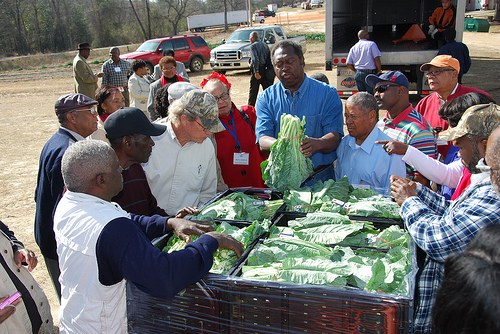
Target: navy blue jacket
124, 250
49, 190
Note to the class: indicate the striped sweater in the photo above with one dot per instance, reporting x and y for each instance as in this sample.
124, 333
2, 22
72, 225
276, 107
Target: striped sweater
411, 128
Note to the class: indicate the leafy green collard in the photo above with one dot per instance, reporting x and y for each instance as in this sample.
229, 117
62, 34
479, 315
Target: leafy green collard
297, 254
309, 200
374, 208
239, 206
291, 260
286, 168
224, 259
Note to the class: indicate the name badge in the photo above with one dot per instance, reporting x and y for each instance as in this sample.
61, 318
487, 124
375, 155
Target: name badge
118, 69
241, 158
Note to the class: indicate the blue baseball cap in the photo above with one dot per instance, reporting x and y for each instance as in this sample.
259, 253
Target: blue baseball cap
391, 76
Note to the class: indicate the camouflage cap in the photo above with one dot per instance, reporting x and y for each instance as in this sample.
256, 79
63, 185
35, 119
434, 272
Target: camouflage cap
478, 120
203, 105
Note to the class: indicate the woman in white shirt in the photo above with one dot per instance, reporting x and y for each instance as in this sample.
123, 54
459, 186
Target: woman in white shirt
138, 85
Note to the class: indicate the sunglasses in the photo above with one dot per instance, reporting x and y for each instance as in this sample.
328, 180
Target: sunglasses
116, 90
383, 88
438, 72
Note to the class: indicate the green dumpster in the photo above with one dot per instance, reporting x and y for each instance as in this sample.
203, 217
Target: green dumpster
479, 25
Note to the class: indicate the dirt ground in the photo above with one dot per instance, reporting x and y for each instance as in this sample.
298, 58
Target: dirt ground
27, 118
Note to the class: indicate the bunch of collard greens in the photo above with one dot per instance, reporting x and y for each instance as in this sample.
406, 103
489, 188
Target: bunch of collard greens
297, 254
286, 168
332, 196
309, 200
224, 259
239, 206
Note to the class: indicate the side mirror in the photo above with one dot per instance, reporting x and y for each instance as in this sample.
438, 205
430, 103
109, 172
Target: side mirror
223, 41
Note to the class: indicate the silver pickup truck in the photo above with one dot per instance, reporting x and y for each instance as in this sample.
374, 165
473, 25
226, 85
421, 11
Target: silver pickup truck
235, 53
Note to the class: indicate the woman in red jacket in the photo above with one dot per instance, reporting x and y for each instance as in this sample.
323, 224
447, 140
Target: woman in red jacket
238, 154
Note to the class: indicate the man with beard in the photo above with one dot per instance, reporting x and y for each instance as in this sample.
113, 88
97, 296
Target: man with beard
440, 227
299, 95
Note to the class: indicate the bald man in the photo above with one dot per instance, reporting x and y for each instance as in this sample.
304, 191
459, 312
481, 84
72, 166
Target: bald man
364, 59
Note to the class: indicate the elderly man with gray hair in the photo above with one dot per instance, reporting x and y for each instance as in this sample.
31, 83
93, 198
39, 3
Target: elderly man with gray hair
358, 157
101, 246
182, 168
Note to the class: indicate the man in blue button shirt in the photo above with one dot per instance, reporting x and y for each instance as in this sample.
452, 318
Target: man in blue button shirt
299, 95
364, 162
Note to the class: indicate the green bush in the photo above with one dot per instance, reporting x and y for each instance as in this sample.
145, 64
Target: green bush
315, 37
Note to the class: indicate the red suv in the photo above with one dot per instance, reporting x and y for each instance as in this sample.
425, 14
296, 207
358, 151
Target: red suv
192, 50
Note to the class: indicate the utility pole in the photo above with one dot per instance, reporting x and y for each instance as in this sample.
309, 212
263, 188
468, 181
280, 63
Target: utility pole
225, 15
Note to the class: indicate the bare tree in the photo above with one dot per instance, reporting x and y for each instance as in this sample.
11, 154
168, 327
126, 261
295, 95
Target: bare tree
139, 20
176, 11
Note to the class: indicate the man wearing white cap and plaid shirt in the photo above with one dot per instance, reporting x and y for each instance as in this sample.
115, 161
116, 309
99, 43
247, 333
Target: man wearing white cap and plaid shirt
440, 227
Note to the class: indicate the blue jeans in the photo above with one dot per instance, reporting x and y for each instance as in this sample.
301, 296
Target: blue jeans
359, 77
326, 174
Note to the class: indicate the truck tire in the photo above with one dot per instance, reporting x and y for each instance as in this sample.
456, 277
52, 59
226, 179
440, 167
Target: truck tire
262, 21
196, 64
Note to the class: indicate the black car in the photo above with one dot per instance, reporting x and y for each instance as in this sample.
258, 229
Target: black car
266, 13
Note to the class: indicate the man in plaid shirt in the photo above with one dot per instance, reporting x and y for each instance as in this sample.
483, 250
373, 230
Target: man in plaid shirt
116, 72
440, 227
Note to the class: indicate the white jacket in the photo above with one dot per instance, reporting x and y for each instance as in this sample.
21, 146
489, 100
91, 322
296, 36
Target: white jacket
19, 322
87, 306
139, 91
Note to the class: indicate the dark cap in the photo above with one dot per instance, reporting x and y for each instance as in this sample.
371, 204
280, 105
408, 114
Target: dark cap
128, 121
479, 120
203, 105
392, 76
83, 46
72, 101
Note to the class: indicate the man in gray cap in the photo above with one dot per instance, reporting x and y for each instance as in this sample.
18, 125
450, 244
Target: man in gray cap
129, 132
182, 168
77, 120
85, 79
441, 227
116, 72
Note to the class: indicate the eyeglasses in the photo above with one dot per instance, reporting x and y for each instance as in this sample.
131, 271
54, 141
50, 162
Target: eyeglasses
383, 88
116, 90
164, 68
204, 128
438, 72
221, 97
92, 111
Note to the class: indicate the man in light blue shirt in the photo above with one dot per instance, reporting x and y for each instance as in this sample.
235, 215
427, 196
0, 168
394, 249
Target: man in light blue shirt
364, 59
358, 157
299, 95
